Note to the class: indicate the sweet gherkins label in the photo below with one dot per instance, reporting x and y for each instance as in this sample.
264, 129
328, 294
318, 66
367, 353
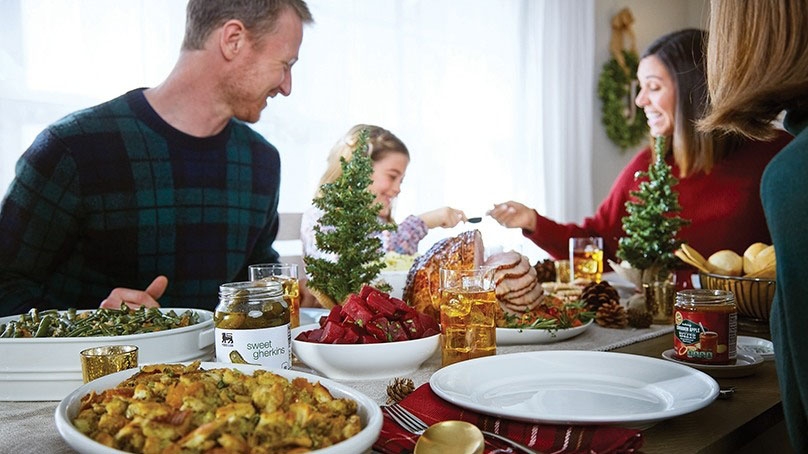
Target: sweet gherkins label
268, 347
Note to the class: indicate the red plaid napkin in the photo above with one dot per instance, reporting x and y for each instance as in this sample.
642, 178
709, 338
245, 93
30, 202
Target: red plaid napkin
545, 438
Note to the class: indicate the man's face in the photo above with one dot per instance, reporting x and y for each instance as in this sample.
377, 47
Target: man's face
264, 69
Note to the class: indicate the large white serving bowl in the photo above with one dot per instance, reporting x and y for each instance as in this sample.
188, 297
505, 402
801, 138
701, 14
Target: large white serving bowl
364, 361
369, 412
48, 368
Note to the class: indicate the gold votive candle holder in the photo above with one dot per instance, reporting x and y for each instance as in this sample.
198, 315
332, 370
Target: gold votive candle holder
99, 361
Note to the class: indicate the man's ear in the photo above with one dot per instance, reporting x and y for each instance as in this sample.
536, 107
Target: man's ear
232, 38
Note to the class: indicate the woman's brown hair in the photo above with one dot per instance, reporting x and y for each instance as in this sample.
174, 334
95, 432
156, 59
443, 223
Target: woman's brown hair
758, 64
682, 54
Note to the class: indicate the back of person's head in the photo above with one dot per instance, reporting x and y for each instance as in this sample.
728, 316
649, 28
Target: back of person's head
258, 16
380, 143
682, 54
758, 64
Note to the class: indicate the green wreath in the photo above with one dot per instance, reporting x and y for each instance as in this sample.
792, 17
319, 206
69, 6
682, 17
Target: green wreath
613, 91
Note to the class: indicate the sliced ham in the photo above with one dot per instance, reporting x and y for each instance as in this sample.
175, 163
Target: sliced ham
520, 292
516, 271
527, 300
504, 260
521, 309
514, 284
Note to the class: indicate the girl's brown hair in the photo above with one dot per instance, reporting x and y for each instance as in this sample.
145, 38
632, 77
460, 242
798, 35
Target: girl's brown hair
758, 64
381, 143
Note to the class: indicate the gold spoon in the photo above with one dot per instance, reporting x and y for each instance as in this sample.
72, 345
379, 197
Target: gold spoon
451, 437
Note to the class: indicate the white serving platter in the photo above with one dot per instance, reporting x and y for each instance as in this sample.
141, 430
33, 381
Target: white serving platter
369, 412
42, 369
576, 387
523, 336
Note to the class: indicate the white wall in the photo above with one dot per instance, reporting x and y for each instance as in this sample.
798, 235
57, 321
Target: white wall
652, 18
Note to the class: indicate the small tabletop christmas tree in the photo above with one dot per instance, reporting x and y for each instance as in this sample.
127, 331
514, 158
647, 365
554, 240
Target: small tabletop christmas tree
652, 223
348, 229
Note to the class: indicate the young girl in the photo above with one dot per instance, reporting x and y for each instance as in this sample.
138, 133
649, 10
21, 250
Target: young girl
389, 157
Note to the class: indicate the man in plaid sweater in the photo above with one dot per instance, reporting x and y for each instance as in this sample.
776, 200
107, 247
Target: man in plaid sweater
163, 193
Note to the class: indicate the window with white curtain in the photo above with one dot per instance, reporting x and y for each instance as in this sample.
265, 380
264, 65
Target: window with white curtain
493, 99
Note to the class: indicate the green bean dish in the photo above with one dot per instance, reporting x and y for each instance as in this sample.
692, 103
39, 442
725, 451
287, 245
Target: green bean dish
98, 322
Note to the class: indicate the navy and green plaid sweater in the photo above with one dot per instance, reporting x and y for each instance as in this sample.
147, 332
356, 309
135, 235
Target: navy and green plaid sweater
113, 196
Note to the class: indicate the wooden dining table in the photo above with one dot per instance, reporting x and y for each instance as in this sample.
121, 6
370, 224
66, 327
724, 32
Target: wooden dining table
753, 415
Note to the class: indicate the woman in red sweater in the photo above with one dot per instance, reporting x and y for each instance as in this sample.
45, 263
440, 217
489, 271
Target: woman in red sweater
719, 175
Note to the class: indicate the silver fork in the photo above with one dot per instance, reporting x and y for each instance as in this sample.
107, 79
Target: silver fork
413, 424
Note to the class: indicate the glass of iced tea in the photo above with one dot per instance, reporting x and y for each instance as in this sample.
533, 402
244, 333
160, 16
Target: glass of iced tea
586, 258
286, 274
468, 306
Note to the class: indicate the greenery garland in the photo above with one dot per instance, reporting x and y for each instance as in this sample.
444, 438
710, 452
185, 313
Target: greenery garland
613, 91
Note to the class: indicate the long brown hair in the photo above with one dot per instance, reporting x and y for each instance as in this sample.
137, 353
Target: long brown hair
758, 64
682, 54
381, 143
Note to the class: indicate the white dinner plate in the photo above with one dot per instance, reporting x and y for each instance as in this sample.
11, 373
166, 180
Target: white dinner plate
745, 364
309, 315
762, 347
575, 387
521, 336
369, 412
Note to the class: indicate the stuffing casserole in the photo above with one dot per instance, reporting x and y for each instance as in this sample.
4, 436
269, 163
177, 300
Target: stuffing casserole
186, 409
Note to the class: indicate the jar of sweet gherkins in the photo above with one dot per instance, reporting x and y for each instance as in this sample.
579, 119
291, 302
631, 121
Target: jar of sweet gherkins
705, 326
252, 325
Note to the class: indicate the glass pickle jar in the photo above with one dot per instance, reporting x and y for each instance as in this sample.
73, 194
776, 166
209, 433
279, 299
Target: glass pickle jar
705, 327
252, 325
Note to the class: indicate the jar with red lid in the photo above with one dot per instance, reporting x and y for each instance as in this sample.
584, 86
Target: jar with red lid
705, 327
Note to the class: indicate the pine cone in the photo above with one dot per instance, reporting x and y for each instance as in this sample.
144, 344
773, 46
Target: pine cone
398, 389
639, 318
545, 270
596, 294
611, 315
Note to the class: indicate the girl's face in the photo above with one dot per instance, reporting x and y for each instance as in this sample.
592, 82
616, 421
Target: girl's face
657, 96
388, 172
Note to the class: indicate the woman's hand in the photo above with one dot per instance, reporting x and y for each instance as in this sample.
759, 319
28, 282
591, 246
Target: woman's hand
514, 214
446, 217
136, 298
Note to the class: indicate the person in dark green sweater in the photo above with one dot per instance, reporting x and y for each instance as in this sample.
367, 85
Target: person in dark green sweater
757, 62
163, 193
